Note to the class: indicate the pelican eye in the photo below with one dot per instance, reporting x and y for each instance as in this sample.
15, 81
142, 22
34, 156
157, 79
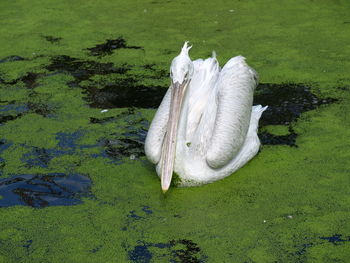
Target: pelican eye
186, 76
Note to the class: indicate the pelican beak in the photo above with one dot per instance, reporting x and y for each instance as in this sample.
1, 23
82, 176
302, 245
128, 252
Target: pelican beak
169, 144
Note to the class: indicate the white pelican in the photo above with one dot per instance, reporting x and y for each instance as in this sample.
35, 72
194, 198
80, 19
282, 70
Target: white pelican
206, 127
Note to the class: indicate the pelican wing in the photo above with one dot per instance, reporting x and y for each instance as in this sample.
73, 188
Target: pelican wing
157, 130
235, 88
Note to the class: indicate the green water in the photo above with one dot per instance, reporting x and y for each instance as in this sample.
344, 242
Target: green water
289, 204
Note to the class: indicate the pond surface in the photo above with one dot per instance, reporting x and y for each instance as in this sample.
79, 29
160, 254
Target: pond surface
79, 85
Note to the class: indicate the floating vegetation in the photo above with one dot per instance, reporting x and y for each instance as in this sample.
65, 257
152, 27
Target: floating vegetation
122, 115
107, 86
109, 46
56, 89
41, 190
11, 59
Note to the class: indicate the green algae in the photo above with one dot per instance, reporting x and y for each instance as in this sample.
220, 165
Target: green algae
275, 209
276, 129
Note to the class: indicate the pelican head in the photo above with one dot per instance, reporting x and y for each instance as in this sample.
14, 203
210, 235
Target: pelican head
181, 68
181, 71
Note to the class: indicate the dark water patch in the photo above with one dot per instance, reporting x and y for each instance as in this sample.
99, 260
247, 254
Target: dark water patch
96, 249
40, 108
302, 251
343, 88
135, 215
7, 102
267, 138
132, 214
101, 120
83, 69
140, 254
121, 148
189, 252
30, 79
11, 82
14, 58
11, 59
157, 74
126, 144
147, 209
3, 146
168, 52
67, 145
125, 93
336, 239
116, 148
42, 190
13, 107
28, 243
14, 111
52, 40
149, 66
67, 140
286, 102
129, 144
109, 46
6, 118
122, 92
176, 251
38, 157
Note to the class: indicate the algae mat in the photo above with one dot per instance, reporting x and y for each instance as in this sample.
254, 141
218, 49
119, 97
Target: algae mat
75, 185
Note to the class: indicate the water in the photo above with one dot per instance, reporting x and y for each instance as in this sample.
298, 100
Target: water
75, 184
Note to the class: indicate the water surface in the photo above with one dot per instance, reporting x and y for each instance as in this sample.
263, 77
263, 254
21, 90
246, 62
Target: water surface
79, 85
